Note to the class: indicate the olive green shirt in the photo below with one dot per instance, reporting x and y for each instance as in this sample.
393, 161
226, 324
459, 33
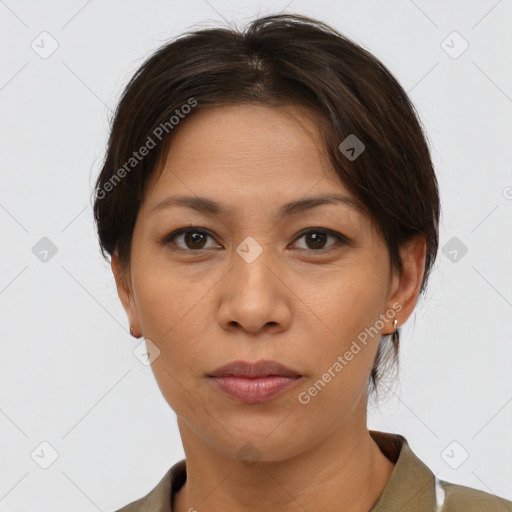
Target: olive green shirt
412, 487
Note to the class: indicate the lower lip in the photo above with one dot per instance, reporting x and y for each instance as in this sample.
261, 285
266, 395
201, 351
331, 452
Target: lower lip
255, 390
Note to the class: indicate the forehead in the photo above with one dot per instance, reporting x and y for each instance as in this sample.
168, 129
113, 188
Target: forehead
249, 162
244, 144
248, 156
257, 121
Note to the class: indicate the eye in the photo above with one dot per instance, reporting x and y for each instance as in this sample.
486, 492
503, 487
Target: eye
195, 239
192, 238
316, 238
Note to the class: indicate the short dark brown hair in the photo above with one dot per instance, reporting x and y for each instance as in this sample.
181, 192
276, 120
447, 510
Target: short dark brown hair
278, 60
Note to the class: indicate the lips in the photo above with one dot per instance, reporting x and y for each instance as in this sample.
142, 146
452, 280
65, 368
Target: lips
254, 370
253, 382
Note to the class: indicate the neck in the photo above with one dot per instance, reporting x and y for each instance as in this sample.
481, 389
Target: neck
346, 471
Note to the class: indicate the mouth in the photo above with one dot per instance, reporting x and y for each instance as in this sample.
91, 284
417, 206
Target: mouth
254, 382
254, 370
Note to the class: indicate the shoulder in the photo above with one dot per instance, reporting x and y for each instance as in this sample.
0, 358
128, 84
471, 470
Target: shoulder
159, 498
135, 506
147, 503
414, 487
459, 498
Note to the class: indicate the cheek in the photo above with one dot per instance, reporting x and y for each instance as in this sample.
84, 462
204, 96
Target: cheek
167, 301
350, 303
172, 315
344, 320
173, 321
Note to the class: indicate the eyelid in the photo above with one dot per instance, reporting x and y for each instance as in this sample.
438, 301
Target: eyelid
329, 232
341, 237
168, 238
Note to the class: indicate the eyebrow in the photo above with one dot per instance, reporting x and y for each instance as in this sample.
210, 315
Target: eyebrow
209, 206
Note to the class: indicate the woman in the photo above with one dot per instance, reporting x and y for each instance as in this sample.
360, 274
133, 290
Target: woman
271, 212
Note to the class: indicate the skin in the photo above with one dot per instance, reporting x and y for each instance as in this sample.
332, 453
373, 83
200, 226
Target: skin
298, 303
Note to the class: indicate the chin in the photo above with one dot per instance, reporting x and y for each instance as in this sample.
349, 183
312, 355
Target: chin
270, 440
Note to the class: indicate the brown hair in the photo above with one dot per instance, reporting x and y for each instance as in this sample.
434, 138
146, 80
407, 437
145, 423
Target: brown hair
278, 60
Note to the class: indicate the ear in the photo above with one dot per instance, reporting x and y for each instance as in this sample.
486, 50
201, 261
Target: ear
124, 290
405, 287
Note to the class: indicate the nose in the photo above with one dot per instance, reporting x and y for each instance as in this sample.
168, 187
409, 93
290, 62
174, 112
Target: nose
255, 296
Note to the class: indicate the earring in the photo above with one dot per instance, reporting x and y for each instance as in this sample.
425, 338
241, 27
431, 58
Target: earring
395, 336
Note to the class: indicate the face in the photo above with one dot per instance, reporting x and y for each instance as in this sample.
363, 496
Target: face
251, 281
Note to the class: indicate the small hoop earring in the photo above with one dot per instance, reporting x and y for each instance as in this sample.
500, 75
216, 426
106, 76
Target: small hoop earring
395, 336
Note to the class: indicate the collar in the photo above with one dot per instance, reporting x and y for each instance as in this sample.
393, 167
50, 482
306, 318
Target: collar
412, 485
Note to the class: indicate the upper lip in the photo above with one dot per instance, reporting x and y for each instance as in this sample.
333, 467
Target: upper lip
250, 370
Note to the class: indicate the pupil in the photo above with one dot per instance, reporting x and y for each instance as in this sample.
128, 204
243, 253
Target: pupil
194, 238
317, 240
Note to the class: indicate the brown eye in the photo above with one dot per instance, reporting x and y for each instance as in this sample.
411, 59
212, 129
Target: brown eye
316, 239
192, 239
195, 239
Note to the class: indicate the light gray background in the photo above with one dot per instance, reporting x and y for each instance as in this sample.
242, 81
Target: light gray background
68, 375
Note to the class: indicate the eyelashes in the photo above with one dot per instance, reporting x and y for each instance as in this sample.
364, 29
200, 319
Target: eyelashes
194, 240
170, 239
